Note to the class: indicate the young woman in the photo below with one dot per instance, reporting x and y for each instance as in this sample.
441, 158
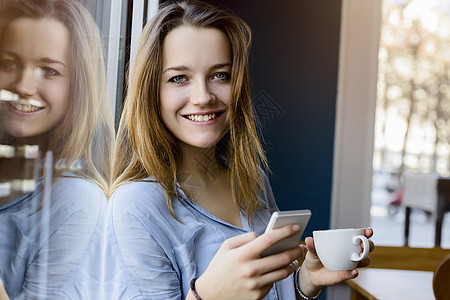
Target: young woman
190, 192
52, 80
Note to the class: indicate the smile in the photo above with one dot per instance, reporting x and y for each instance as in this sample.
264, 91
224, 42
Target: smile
26, 106
19, 104
202, 118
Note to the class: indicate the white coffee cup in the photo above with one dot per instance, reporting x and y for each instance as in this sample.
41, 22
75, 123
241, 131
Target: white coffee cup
340, 249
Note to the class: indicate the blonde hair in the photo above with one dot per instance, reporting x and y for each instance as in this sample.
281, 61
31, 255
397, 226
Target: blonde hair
144, 147
86, 132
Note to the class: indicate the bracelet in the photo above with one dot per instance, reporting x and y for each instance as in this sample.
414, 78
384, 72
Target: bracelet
299, 291
194, 292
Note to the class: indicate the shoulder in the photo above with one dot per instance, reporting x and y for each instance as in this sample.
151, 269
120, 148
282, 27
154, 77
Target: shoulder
76, 198
74, 187
78, 191
139, 201
137, 193
264, 178
142, 206
146, 186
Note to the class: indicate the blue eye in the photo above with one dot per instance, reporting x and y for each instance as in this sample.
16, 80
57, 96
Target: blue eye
9, 65
179, 79
225, 76
49, 72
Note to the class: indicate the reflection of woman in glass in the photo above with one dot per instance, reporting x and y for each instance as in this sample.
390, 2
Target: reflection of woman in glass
52, 77
190, 193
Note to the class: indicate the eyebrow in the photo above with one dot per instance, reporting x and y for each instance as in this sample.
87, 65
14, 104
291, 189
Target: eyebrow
177, 68
49, 60
184, 68
46, 60
3, 52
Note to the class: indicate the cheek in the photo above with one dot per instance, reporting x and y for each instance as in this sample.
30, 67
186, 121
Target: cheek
164, 107
224, 92
170, 103
57, 94
7, 80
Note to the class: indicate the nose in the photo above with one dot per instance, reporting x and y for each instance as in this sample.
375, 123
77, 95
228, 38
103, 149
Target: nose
26, 83
201, 94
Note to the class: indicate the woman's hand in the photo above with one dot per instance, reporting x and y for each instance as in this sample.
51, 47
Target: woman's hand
314, 276
3, 295
237, 271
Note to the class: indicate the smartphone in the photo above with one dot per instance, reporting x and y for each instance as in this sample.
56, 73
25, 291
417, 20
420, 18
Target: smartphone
283, 218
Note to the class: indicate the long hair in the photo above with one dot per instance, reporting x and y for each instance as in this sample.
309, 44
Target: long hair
144, 147
86, 132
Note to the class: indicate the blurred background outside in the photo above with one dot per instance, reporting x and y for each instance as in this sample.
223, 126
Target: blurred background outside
412, 127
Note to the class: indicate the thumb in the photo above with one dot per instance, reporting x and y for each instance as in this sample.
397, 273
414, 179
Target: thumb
309, 241
238, 241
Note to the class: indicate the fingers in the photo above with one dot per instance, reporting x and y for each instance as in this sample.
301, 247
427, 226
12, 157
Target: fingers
270, 238
278, 274
364, 263
277, 261
238, 241
353, 274
368, 232
371, 246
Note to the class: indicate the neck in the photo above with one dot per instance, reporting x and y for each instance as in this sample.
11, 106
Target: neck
200, 163
205, 182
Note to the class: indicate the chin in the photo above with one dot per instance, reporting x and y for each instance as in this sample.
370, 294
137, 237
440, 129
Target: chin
203, 144
18, 134
22, 133
202, 141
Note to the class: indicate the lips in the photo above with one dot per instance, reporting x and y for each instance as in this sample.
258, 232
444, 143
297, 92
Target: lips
202, 117
22, 105
26, 105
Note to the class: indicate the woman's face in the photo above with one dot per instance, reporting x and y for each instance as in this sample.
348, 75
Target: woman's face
34, 63
195, 92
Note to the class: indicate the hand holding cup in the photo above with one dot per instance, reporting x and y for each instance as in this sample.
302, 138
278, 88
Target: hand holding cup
314, 274
340, 249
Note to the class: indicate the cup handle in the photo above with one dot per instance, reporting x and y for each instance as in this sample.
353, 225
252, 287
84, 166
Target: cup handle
356, 240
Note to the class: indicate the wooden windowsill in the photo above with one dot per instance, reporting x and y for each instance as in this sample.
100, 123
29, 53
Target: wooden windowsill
407, 258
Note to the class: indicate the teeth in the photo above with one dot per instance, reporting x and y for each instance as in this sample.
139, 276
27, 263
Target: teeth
26, 107
201, 118
35, 103
18, 103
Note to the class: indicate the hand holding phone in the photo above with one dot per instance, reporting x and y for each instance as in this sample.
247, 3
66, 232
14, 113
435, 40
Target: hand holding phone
283, 218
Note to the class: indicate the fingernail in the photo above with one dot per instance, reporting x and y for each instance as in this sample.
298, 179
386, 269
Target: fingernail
296, 228
355, 273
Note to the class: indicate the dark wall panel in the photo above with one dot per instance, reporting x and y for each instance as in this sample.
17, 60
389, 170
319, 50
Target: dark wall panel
294, 67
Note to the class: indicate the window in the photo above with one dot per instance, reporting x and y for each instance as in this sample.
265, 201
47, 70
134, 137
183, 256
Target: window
412, 117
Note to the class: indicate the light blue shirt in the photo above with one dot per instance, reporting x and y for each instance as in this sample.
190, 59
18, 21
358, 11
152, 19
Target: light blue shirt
153, 256
54, 251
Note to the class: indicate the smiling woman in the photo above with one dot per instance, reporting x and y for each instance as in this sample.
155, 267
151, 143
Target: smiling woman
190, 192
53, 96
195, 95
38, 73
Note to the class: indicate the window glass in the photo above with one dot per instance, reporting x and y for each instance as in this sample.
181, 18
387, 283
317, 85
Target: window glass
412, 140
